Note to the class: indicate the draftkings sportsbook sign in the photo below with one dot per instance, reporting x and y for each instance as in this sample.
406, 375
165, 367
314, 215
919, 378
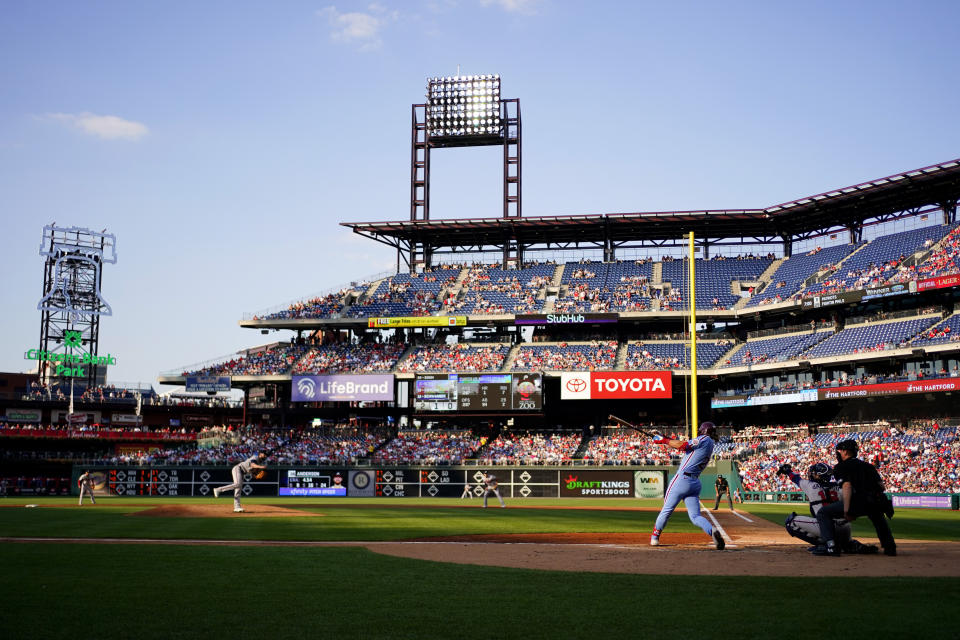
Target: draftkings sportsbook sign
616, 385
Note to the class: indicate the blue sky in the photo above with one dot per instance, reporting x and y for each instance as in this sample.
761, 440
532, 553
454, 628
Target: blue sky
223, 142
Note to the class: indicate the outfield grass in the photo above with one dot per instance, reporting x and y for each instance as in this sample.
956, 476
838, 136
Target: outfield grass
150, 591
179, 591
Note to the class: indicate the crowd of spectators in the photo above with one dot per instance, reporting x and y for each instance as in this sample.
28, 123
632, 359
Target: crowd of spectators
429, 447
627, 447
916, 460
273, 360
564, 357
367, 357
942, 261
457, 357
531, 449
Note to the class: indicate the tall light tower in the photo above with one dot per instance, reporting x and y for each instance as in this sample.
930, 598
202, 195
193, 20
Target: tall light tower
464, 111
72, 304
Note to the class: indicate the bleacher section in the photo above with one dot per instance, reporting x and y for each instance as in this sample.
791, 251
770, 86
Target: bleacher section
458, 357
605, 287
511, 448
879, 262
347, 358
775, 349
714, 281
490, 290
321, 307
790, 276
274, 360
405, 295
942, 261
946, 331
870, 337
561, 356
673, 355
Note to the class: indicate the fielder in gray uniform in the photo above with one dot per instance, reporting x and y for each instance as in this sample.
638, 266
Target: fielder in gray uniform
86, 487
237, 472
490, 486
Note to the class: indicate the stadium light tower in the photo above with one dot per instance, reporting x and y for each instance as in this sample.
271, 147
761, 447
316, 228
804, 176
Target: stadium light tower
464, 111
72, 304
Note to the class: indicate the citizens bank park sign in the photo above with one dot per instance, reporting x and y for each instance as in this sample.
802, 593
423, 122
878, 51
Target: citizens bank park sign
616, 385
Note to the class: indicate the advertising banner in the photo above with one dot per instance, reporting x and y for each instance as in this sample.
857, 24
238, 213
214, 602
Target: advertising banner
886, 291
596, 484
922, 502
207, 384
350, 388
727, 402
127, 418
567, 318
23, 415
831, 299
649, 484
616, 385
417, 321
890, 389
941, 282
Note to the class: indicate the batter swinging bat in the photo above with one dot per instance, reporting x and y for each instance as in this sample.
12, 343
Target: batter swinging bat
630, 425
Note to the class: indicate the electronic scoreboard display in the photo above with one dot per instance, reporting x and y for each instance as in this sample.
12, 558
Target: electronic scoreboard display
482, 392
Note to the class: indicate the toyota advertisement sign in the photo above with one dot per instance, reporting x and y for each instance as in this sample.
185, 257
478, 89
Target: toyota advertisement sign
342, 388
616, 385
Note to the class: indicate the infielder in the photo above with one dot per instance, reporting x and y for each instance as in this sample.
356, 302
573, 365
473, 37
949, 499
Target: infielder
86, 486
490, 486
237, 472
466, 491
820, 490
686, 482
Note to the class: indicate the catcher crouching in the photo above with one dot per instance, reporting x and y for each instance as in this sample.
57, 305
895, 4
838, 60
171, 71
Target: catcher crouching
253, 464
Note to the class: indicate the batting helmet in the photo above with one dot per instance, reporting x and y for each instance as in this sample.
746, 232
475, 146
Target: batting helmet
708, 429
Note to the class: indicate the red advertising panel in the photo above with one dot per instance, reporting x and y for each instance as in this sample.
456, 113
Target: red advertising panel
616, 385
940, 282
890, 389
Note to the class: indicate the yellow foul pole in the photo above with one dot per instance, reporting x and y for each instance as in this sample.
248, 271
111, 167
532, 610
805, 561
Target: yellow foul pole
693, 338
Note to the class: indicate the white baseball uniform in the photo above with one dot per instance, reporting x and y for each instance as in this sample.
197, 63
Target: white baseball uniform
237, 485
490, 486
806, 527
86, 486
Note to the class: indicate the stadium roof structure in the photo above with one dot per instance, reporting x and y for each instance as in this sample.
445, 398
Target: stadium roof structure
882, 199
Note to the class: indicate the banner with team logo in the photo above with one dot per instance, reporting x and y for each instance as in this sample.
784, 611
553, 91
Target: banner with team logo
348, 388
616, 385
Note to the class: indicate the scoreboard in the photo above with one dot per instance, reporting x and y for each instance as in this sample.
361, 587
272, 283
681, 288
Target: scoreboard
312, 482
486, 392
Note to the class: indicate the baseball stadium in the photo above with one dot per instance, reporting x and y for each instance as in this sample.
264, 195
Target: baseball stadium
647, 423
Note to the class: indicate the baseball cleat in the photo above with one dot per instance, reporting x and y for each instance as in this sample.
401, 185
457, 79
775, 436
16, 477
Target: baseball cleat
238, 509
718, 540
654, 541
216, 492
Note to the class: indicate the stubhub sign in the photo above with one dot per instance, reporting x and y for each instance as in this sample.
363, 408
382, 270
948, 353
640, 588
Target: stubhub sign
616, 385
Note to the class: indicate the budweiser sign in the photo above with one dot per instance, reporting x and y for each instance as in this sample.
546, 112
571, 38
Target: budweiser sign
616, 385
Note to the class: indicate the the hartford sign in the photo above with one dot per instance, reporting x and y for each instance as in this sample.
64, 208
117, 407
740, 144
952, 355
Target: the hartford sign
616, 385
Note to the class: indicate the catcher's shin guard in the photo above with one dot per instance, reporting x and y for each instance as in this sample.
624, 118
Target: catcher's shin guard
804, 528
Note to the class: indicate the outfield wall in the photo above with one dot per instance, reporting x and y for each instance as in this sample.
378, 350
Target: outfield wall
382, 482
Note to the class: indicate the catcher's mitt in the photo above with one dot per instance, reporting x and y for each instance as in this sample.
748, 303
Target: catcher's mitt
259, 474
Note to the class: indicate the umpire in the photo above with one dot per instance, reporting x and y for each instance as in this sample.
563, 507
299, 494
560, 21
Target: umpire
861, 490
722, 486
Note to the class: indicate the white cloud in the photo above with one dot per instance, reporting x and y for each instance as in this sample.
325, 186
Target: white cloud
106, 127
514, 6
362, 29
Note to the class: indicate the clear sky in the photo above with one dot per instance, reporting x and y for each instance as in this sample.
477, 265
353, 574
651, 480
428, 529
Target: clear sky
223, 142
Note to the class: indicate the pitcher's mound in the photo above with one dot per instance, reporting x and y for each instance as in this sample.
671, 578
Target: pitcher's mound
221, 511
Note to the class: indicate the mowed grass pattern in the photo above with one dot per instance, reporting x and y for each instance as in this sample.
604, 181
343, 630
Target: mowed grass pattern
179, 591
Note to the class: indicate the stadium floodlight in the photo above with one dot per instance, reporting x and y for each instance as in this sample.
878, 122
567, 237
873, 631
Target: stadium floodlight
464, 107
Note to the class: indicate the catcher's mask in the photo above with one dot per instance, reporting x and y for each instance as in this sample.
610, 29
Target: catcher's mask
820, 473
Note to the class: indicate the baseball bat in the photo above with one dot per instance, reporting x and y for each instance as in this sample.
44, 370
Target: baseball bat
630, 425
